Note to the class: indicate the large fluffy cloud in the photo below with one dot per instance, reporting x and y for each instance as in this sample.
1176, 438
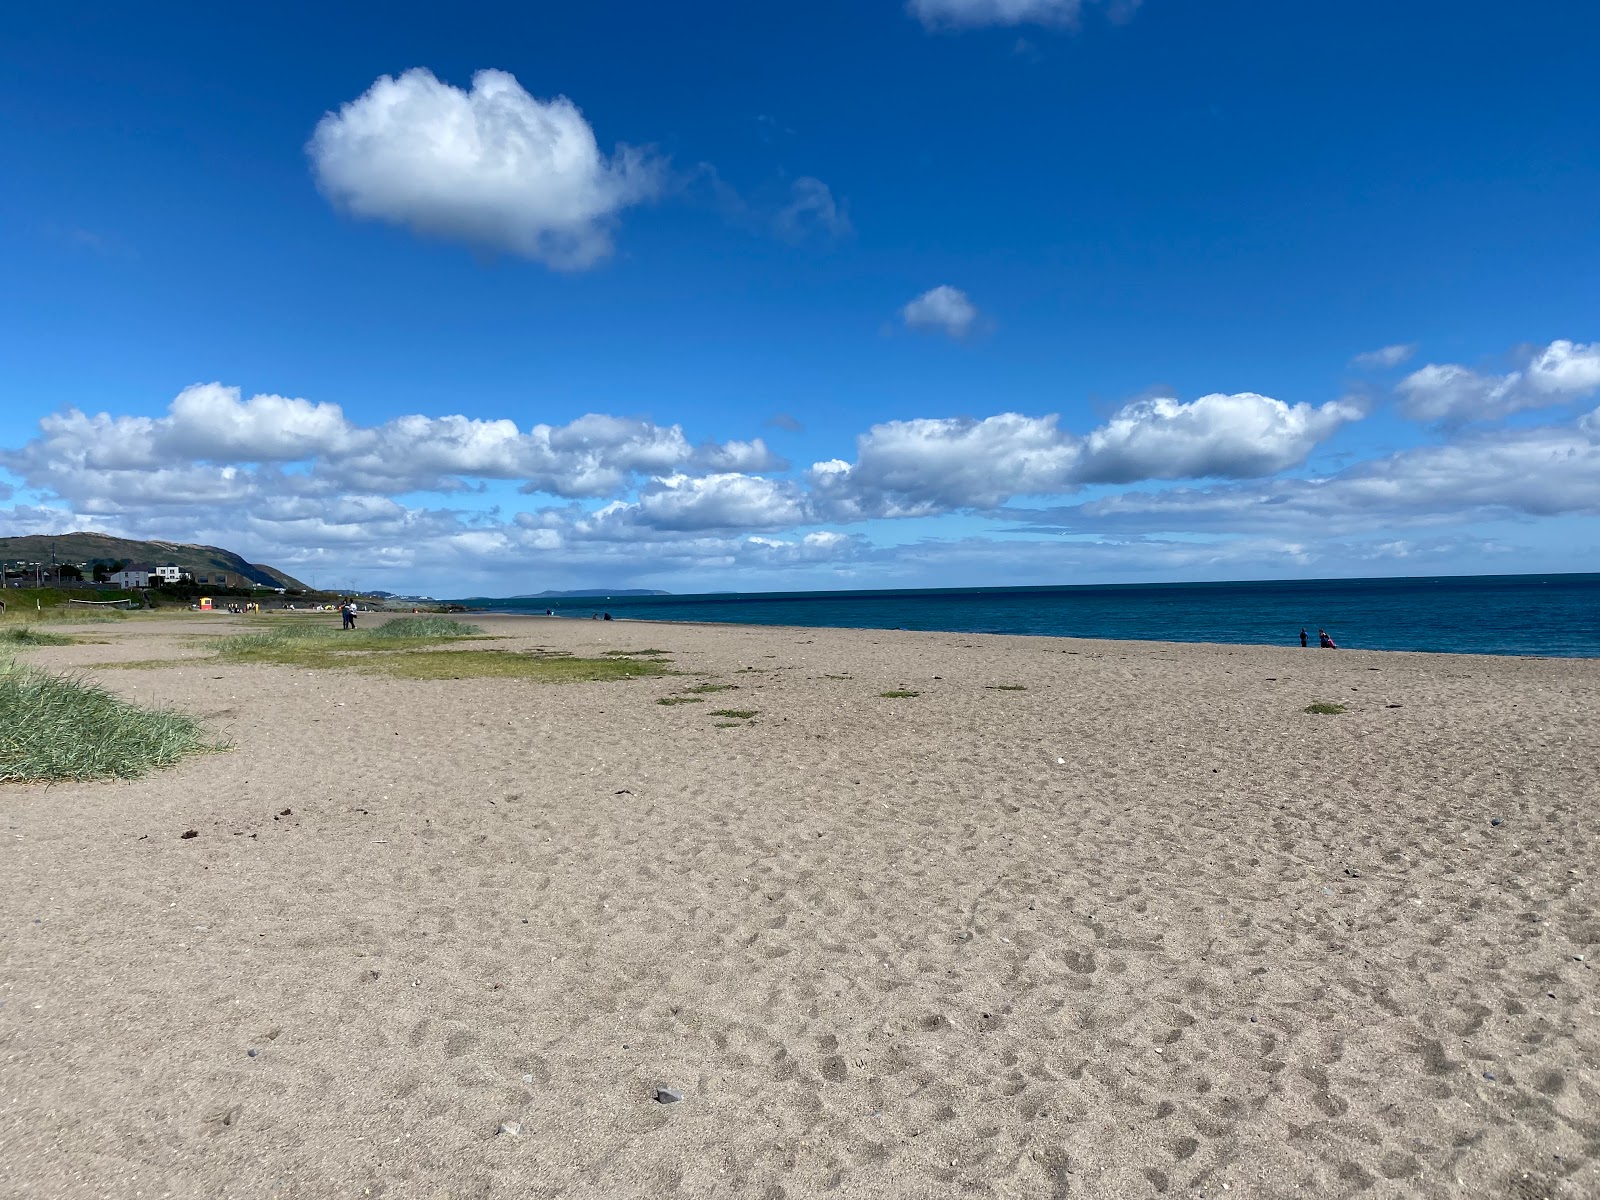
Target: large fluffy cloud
1238, 437
929, 466
1451, 394
492, 166
924, 467
728, 502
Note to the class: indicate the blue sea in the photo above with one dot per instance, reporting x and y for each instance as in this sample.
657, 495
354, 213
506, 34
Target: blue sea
1485, 614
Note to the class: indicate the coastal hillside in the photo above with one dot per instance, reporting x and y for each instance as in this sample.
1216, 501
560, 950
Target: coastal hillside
78, 548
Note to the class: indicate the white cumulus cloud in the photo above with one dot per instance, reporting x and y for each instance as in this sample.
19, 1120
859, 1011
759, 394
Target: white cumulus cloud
1451, 394
493, 166
1237, 437
943, 308
935, 465
726, 501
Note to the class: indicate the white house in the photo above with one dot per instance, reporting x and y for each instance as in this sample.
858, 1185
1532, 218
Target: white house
169, 572
130, 577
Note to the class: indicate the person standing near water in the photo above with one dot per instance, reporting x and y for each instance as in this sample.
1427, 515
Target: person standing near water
1303, 639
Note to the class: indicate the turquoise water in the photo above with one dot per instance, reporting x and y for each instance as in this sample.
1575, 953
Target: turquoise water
1486, 614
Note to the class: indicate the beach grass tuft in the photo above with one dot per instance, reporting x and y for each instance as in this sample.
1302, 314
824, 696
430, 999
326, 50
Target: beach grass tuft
27, 635
899, 695
1322, 708
669, 700
1007, 687
635, 653
702, 689
55, 727
737, 714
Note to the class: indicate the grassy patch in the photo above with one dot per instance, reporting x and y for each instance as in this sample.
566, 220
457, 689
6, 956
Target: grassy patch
680, 700
420, 628
407, 647
1321, 708
505, 664
738, 714
57, 727
27, 635
702, 689
1007, 687
326, 645
727, 725
635, 653
836, 677
899, 695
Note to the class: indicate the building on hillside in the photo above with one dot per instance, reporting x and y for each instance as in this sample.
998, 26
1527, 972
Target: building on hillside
130, 577
170, 572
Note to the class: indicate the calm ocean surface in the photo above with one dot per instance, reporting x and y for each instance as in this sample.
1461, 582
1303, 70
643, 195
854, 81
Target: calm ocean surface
1488, 614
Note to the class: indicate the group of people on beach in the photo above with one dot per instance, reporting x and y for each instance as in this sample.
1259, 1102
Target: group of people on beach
347, 614
1324, 640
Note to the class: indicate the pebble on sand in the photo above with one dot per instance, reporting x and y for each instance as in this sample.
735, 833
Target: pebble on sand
666, 1095
509, 1128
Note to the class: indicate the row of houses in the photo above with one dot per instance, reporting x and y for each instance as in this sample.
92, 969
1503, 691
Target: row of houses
143, 575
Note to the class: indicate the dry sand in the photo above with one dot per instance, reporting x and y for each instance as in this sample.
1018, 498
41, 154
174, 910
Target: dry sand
1143, 929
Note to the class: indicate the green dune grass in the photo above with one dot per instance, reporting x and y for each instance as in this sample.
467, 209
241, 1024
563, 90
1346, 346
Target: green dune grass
55, 727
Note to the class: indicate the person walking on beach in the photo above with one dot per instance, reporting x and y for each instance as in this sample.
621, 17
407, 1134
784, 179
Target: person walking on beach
1302, 639
347, 615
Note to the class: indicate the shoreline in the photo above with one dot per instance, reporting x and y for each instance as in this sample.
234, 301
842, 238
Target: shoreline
934, 913
654, 621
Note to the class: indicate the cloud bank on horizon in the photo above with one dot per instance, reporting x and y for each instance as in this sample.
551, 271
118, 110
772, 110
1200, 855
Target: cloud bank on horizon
298, 483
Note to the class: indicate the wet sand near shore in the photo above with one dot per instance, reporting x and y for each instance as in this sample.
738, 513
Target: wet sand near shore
1076, 919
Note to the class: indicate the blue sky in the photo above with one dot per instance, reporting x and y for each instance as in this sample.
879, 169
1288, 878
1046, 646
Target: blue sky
837, 294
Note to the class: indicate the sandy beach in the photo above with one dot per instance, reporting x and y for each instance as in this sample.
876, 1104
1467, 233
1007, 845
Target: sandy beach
1078, 919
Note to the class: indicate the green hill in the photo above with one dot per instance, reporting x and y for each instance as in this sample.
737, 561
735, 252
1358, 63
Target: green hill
80, 549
